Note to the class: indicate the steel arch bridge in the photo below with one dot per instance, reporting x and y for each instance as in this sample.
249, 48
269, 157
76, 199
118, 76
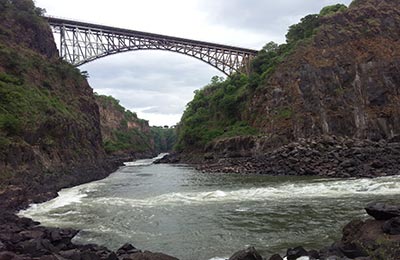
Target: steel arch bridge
82, 42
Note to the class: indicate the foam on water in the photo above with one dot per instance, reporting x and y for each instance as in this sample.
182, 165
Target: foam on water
65, 197
145, 162
329, 189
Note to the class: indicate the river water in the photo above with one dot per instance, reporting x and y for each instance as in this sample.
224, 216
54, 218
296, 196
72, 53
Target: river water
198, 216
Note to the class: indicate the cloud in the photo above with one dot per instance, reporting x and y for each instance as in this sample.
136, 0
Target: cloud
158, 84
266, 17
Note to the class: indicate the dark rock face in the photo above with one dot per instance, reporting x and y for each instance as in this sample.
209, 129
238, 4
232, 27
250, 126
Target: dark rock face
344, 83
362, 240
126, 250
392, 226
114, 120
382, 211
294, 253
276, 257
62, 145
22, 238
328, 156
247, 254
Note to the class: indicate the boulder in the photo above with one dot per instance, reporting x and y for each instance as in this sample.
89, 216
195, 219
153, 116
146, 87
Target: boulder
9, 256
127, 249
246, 254
2, 246
392, 226
73, 254
276, 257
382, 211
49, 257
32, 234
32, 247
294, 253
332, 250
313, 254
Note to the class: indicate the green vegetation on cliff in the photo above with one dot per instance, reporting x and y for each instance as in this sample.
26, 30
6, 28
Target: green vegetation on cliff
164, 138
215, 111
219, 109
124, 133
48, 117
122, 130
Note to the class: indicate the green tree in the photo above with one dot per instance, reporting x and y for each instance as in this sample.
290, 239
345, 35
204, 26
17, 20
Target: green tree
332, 9
304, 29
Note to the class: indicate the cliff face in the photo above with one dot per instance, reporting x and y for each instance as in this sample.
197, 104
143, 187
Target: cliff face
338, 74
345, 82
49, 120
122, 131
124, 134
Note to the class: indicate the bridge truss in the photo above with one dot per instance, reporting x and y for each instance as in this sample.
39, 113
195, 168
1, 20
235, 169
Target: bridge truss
82, 42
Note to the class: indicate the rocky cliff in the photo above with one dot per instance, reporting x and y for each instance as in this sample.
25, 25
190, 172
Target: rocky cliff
345, 81
49, 121
122, 131
337, 75
126, 135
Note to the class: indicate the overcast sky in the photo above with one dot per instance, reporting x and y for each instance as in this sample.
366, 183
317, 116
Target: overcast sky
158, 84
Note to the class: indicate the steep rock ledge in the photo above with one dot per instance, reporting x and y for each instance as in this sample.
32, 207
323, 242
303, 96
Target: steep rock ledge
345, 82
49, 121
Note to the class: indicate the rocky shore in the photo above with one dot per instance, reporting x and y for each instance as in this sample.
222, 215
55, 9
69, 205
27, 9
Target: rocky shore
326, 156
372, 239
23, 238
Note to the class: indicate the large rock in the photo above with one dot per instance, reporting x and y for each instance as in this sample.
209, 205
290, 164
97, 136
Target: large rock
382, 211
9, 256
127, 249
246, 254
294, 253
392, 226
276, 257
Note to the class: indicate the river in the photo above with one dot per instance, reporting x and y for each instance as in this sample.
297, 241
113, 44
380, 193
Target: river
179, 211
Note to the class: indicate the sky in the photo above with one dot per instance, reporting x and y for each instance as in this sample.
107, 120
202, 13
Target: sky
157, 85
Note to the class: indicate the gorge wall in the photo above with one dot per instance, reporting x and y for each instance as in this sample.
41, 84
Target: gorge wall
49, 120
122, 131
126, 135
344, 82
338, 74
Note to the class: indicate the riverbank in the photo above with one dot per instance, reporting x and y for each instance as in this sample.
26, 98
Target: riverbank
23, 238
377, 238
327, 156
305, 208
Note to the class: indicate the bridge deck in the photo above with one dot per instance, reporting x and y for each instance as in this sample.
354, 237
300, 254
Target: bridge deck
128, 32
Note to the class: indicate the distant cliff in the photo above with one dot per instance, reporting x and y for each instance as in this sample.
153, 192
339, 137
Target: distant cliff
49, 121
122, 131
125, 134
338, 74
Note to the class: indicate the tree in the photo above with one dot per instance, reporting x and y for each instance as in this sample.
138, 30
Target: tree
332, 9
304, 29
271, 46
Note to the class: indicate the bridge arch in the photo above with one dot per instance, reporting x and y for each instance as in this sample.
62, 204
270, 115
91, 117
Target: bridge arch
81, 43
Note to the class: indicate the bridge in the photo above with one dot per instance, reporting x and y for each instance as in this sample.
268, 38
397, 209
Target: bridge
82, 42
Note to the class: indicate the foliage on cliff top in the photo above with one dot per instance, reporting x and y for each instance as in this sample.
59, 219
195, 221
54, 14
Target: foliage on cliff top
111, 102
219, 109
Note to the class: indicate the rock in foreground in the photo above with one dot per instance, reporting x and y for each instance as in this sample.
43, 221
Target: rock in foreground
22, 238
372, 239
